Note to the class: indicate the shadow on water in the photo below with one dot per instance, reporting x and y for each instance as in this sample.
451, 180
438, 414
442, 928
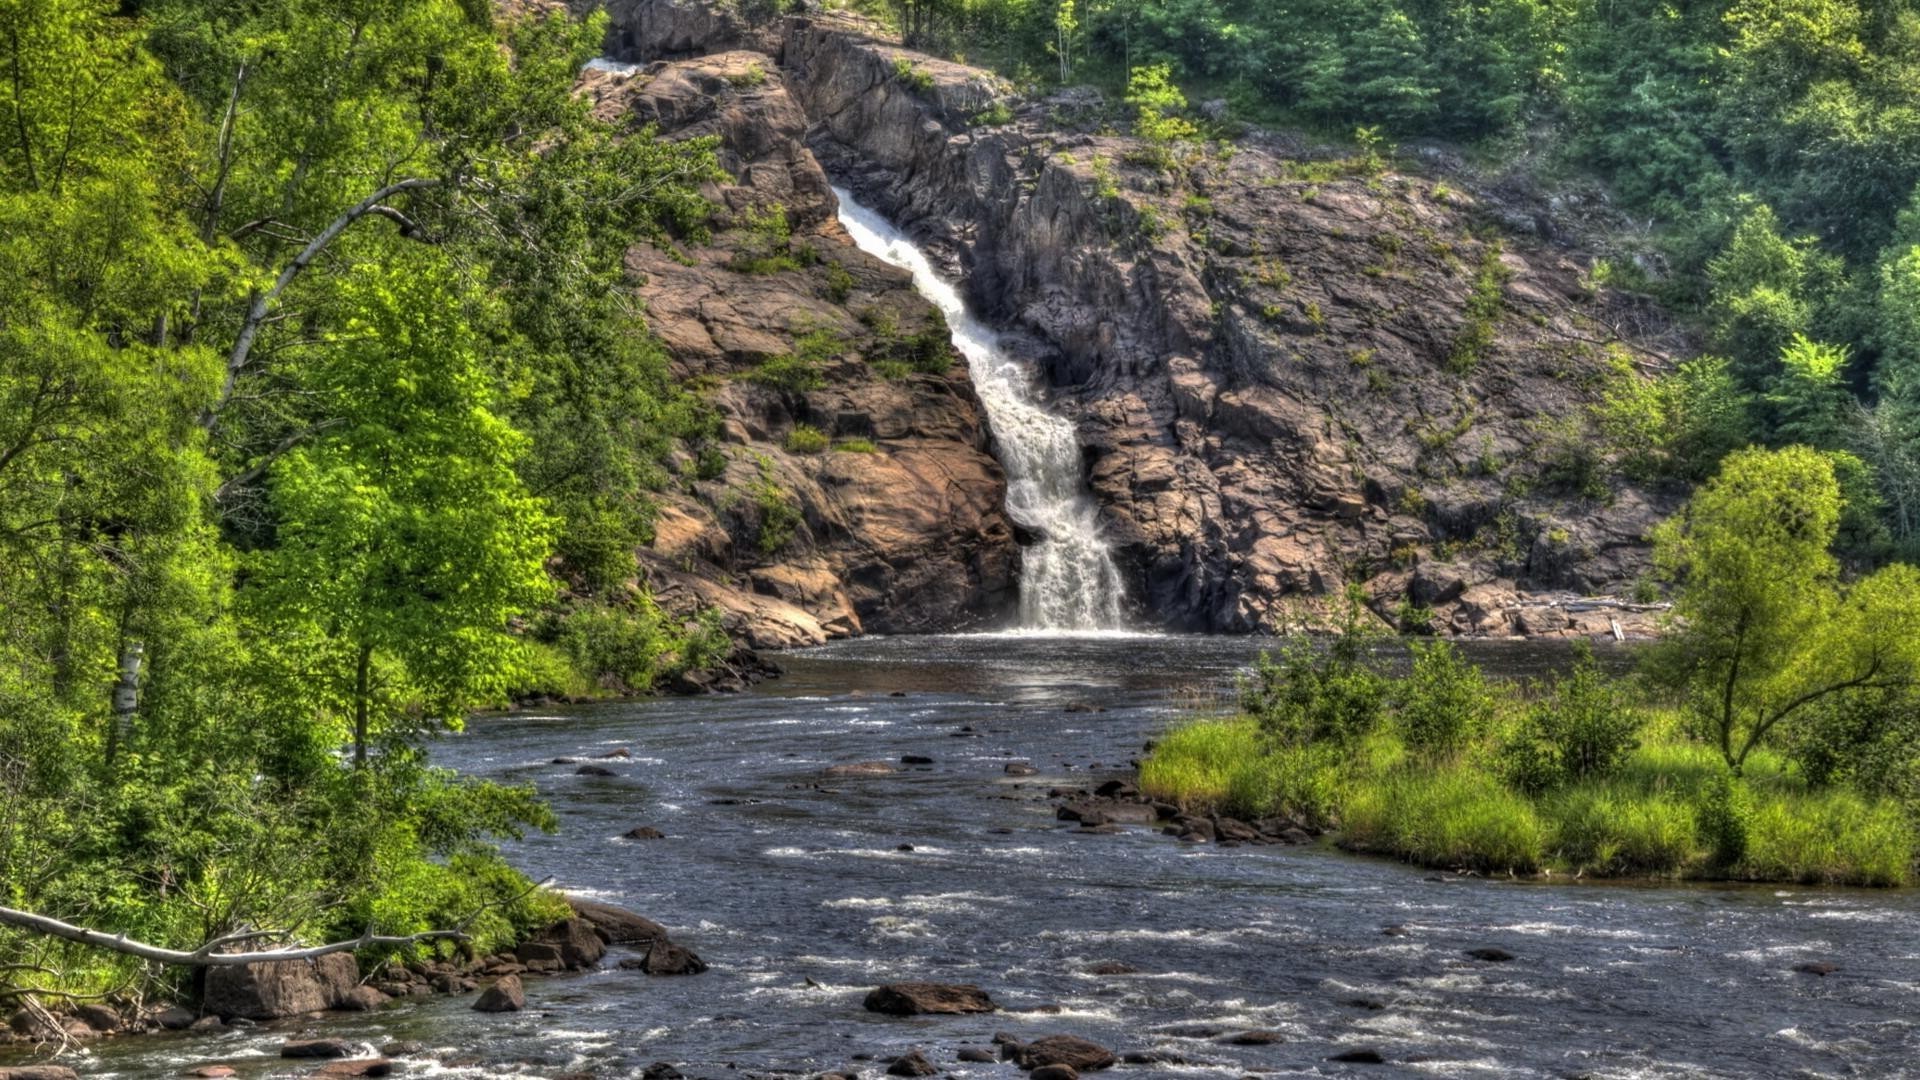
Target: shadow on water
797, 889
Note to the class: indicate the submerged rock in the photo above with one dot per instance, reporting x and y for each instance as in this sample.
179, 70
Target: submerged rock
316, 1048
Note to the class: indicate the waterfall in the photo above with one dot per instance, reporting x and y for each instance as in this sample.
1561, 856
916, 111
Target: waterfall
1070, 581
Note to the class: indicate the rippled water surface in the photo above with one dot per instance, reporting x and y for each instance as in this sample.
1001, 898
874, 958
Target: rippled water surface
796, 889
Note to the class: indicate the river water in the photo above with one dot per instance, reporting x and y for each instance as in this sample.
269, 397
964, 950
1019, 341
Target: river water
796, 890
1068, 578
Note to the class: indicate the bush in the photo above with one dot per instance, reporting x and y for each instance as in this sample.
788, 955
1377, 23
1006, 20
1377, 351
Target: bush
1582, 727
1309, 695
1445, 702
1725, 815
806, 439
766, 243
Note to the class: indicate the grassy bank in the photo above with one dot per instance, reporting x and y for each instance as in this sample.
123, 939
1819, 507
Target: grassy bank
1663, 813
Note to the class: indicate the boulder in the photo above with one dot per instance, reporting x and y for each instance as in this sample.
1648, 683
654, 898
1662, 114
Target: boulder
1491, 955
1069, 1050
594, 770
616, 925
1055, 1072
663, 957
173, 1018
1020, 768
919, 998
210, 1072
1362, 1056
98, 1017
38, 1072
912, 1064
316, 1048
361, 999
662, 1070
505, 995
268, 991
645, 832
579, 945
977, 1055
1255, 1038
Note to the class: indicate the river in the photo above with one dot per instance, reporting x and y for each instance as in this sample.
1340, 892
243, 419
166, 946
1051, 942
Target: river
797, 891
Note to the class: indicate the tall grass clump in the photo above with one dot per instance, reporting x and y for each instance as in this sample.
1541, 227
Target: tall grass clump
1452, 817
1828, 837
1197, 764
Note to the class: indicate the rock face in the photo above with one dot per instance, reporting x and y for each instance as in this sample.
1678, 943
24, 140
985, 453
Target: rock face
1288, 376
855, 493
285, 988
917, 998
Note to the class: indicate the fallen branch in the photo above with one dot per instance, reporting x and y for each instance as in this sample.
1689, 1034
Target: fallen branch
204, 956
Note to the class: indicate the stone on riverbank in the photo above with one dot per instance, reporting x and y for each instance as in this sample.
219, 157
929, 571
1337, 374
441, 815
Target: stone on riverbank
268, 991
38, 1072
1056, 1072
919, 998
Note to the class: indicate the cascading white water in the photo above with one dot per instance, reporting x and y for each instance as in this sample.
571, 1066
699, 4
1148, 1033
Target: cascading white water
1070, 580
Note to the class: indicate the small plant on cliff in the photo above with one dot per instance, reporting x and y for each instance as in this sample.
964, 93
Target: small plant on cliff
1158, 103
766, 243
778, 519
806, 439
856, 446
916, 79
749, 77
790, 372
839, 283
994, 115
1484, 305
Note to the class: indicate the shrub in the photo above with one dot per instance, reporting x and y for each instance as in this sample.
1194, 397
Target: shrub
766, 243
1309, 695
916, 79
1725, 814
779, 518
1445, 702
994, 115
856, 446
795, 374
1484, 305
806, 439
1582, 727
1613, 829
751, 76
839, 283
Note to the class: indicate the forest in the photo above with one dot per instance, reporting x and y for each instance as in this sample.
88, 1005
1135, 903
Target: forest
321, 424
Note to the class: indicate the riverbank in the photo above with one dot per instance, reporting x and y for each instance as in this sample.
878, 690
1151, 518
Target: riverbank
1663, 815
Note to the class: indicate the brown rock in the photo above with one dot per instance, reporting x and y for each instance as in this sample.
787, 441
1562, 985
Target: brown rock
616, 925
1069, 1050
316, 1048
576, 941
361, 999
1055, 1072
38, 1072
912, 1064
917, 998
268, 991
645, 832
505, 995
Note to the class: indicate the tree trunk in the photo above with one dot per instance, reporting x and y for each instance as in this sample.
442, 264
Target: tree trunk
361, 691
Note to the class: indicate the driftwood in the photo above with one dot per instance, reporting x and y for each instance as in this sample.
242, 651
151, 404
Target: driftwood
207, 954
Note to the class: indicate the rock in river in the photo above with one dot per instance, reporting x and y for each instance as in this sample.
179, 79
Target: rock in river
1069, 1050
915, 998
860, 768
912, 1064
505, 995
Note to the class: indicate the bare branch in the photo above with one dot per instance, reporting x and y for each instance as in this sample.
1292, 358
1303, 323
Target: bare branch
204, 956
261, 303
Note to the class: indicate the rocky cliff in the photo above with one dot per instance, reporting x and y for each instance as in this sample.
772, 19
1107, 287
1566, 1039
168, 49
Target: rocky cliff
849, 488
1290, 372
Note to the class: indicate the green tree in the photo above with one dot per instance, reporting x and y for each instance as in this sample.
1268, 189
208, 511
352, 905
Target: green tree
406, 541
1762, 628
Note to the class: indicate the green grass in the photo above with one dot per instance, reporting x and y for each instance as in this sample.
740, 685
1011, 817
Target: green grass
1454, 813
